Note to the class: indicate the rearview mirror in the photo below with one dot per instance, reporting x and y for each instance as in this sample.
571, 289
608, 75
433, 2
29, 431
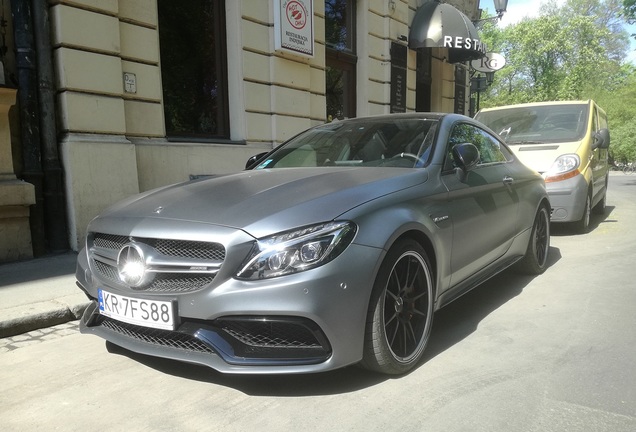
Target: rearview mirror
252, 161
601, 139
466, 155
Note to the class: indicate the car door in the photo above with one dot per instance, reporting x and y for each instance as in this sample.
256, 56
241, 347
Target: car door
483, 203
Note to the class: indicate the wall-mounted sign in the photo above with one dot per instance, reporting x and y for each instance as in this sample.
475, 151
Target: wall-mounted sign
398, 77
294, 26
130, 82
490, 63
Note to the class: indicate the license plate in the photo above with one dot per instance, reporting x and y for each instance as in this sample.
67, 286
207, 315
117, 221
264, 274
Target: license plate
148, 313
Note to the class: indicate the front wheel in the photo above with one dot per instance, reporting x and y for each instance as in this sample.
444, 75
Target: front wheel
535, 260
582, 226
400, 314
600, 207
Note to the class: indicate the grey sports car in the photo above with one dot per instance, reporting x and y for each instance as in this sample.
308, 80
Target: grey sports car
335, 248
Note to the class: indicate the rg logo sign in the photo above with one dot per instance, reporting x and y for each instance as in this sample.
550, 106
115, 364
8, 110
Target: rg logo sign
490, 63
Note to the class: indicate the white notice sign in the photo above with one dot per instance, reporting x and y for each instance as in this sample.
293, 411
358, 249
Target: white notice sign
294, 26
491, 62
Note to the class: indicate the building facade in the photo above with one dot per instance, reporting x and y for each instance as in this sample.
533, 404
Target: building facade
131, 95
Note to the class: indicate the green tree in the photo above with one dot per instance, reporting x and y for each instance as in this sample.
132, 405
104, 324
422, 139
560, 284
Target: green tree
574, 50
564, 53
629, 10
621, 114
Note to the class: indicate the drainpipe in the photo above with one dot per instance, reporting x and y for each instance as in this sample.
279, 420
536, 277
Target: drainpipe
54, 200
29, 124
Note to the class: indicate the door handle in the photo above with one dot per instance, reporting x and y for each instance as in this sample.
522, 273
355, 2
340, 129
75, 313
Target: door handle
507, 180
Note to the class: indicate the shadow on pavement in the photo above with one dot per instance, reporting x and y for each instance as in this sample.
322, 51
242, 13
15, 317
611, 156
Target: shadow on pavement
458, 320
568, 229
451, 325
54, 265
340, 381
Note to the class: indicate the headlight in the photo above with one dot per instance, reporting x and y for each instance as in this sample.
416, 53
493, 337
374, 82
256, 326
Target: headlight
298, 250
565, 167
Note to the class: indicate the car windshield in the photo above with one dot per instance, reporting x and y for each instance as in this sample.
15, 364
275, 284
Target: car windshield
537, 124
404, 142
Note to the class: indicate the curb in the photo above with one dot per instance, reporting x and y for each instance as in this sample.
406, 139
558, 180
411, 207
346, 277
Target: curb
35, 316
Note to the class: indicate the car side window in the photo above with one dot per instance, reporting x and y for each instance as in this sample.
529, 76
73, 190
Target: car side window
490, 150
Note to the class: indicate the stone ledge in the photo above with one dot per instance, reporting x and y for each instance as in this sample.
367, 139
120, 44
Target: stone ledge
16, 193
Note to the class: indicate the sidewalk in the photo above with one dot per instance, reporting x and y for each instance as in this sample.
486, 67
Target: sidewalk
39, 293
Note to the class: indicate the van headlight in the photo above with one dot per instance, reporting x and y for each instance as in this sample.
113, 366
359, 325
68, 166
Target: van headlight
298, 250
564, 167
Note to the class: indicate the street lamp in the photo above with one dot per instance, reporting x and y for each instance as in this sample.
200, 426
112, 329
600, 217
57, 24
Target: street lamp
500, 8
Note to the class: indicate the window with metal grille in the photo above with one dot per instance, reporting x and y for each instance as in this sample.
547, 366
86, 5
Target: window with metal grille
194, 68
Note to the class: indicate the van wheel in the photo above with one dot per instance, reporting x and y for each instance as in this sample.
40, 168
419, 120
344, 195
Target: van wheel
582, 226
599, 208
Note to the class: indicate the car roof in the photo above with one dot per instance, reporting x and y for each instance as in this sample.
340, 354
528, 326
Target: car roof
537, 104
402, 116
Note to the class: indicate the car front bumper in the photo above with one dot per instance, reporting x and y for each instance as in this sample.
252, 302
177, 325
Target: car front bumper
306, 322
567, 199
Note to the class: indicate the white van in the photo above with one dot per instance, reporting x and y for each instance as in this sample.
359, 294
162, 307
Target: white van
567, 142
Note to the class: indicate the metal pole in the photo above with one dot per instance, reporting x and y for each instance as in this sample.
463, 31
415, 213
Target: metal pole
29, 123
54, 199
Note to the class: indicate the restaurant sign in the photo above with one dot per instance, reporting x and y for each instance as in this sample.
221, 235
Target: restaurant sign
491, 62
294, 26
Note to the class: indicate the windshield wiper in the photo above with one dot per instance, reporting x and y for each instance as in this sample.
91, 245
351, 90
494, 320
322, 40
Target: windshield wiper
525, 142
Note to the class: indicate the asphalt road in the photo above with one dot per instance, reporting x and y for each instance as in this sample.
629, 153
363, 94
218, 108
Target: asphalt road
552, 353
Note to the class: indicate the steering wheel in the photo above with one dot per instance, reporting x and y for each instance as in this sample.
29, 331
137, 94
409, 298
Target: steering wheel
411, 156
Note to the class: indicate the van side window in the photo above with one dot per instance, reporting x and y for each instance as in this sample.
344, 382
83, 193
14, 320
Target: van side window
602, 119
595, 120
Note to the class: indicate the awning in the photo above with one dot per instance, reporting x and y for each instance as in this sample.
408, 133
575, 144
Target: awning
440, 25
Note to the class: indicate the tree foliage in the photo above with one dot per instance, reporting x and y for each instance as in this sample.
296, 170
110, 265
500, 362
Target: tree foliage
629, 9
570, 51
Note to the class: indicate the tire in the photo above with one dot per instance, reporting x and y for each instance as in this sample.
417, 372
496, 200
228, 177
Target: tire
400, 314
535, 261
582, 226
599, 208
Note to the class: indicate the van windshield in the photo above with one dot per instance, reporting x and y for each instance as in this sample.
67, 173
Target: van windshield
537, 124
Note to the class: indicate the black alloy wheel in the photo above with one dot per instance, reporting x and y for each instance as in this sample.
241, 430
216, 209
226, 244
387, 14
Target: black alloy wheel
535, 260
400, 314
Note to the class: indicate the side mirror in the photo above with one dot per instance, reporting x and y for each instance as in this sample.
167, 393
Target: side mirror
254, 160
601, 139
466, 155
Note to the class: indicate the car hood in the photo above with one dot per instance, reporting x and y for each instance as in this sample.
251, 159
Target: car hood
262, 202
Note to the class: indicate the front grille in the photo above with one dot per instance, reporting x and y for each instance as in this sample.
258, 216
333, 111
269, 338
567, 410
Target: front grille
177, 283
276, 338
110, 241
164, 338
107, 271
237, 340
270, 334
191, 249
191, 266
